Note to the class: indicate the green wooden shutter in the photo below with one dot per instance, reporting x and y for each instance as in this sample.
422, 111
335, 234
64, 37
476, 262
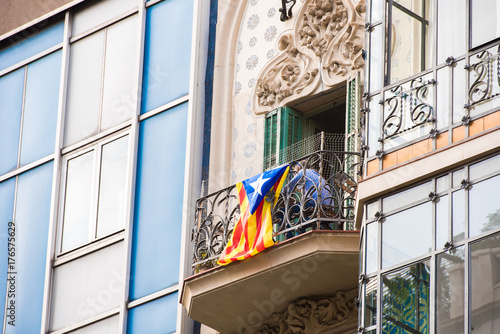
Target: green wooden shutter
352, 121
288, 124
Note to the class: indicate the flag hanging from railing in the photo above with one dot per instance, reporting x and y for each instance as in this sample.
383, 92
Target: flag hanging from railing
254, 230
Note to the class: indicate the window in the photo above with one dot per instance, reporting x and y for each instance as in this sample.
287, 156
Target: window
460, 258
485, 21
94, 199
101, 94
408, 38
286, 126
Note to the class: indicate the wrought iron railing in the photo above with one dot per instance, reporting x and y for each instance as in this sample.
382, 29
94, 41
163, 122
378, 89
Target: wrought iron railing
484, 76
319, 194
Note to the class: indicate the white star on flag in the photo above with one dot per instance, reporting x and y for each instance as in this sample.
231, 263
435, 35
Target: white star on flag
257, 185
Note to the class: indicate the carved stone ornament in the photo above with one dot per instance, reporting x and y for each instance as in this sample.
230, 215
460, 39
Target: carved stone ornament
324, 48
313, 315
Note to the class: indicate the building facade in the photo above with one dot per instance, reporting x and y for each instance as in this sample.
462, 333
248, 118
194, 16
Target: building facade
101, 119
427, 205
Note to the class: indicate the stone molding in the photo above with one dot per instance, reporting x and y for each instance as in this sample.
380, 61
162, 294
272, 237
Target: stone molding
314, 315
324, 49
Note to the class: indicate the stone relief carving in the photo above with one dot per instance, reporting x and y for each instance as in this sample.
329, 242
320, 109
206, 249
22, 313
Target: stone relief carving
293, 73
330, 35
313, 315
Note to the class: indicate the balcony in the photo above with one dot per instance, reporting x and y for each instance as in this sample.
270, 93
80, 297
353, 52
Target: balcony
315, 253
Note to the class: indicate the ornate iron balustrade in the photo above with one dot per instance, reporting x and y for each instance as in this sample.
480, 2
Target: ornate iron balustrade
319, 194
485, 77
408, 108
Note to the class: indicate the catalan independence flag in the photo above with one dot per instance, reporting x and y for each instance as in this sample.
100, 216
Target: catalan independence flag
254, 230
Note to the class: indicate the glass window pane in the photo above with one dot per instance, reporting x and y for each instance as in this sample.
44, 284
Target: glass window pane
11, 104
457, 177
443, 183
458, 215
373, 125
451, 29
84, 91
443, 109
484, 209
410, 47
371, 247
484, 283
450, 292
442, 221
7, 189
376, 58
96, 13
77, 201
370, 303
459, 91
112, 187
484, 168
40, 108
107, 326
405, 300
407, 234
485, 21
377, 9
88, 286
22, 48
166, 57
406, 197
158, 209
32, 229
156, 317
119, 92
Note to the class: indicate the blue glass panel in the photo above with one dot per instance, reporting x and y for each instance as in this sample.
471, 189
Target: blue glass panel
158, 316
32, 222
23, 48
167, 53
40, 108
11, 104
159, 192
7, 189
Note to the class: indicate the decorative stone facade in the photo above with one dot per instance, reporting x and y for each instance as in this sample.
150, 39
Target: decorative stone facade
323, 49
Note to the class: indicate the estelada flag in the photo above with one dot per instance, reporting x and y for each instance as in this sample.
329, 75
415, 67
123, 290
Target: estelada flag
254, 230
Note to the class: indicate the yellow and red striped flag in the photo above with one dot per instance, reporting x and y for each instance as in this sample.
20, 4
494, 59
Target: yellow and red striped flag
254, 230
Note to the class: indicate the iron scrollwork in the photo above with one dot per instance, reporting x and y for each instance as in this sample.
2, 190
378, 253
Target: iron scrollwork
408, 109
319, 194
481, 88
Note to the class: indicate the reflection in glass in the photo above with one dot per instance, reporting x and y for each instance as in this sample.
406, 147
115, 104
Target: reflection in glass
410, 47
373, 125
450, 292
370, 303
407, 234
77, 201
371, 247
442, 221
458, 215
484, 285
112, 190
406, 197
484, 209
405, 300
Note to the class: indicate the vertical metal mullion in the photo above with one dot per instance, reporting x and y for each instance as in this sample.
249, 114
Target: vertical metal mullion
94, 203
387, 44
379, 275
18, 162
56, 175
103, 70
434, 61
132, 164
422, 39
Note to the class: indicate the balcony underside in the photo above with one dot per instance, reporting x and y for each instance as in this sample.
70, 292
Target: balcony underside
230, 298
